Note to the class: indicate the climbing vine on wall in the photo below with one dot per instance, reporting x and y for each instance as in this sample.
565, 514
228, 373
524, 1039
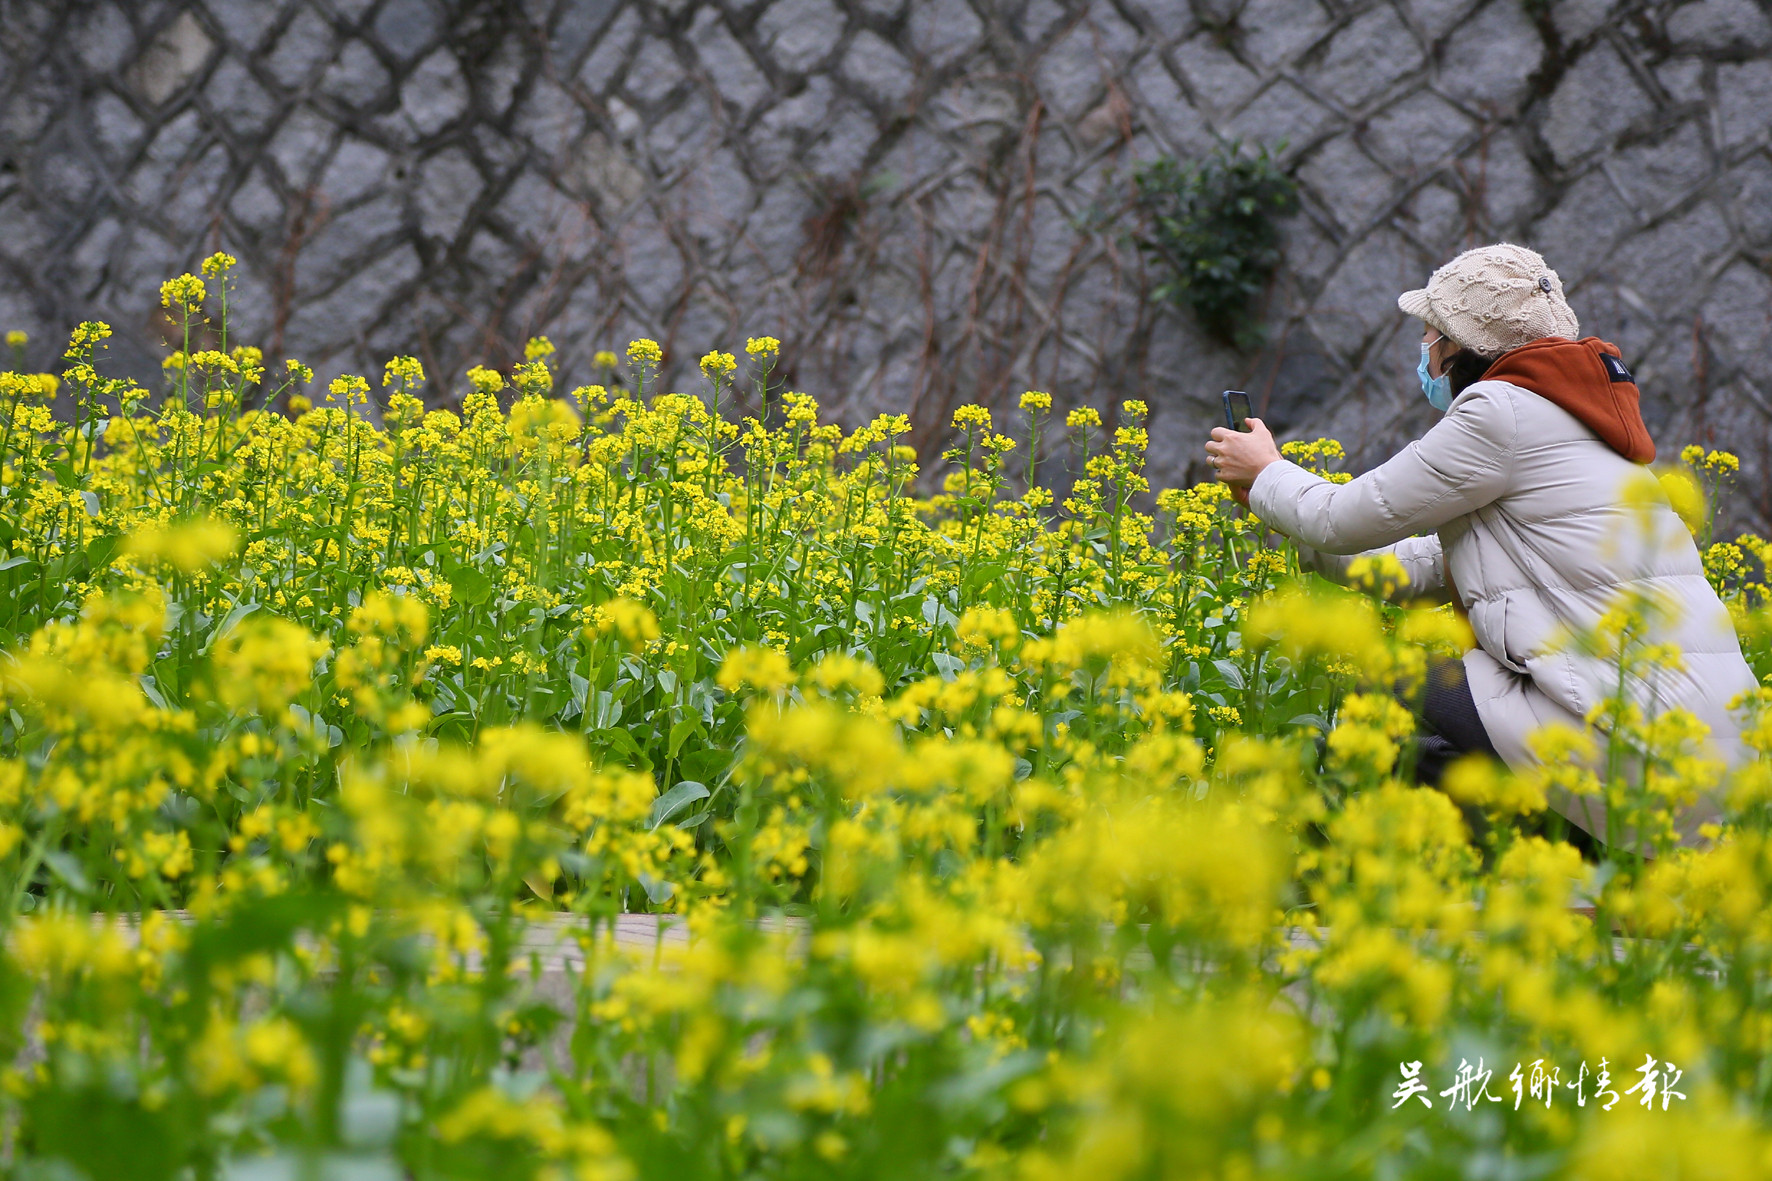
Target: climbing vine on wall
1214, 225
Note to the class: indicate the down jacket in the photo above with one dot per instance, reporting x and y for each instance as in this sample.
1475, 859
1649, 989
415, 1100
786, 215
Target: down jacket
1527, 510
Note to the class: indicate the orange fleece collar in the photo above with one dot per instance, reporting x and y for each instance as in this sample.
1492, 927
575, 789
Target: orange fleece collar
1586, 377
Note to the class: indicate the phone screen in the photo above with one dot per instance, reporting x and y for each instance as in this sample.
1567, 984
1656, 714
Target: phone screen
1236, 410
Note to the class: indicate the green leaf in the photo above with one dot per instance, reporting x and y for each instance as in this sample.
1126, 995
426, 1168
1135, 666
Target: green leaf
680, 733
470, 586
674, 801
228, 624
67, 867
1231, 673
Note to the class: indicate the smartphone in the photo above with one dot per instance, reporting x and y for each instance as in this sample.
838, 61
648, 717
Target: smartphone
1236, 410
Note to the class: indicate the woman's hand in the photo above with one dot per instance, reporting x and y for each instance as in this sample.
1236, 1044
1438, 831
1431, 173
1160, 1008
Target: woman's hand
1239, 456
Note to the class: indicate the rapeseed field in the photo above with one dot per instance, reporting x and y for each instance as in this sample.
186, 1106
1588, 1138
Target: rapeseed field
994, 817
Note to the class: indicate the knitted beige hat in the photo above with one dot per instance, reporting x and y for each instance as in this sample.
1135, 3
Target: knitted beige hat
1494, 299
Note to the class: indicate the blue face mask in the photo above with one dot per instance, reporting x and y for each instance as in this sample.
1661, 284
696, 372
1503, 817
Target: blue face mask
1438, 389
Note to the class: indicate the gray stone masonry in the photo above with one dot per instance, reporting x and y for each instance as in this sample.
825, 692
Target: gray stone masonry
926, 200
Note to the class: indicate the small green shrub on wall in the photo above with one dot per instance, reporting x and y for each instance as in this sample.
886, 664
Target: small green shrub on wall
1214, 223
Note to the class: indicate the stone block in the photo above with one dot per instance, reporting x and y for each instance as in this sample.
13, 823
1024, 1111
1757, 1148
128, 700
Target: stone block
1169, 21
1502, 176
1744, 101
1218, 81
65, 181
1360, 297
1597, 99
576, 28
1310, 253
1486, 64
30, 106
1575, 19
448, 185
1283, 113
1053, 232
918, 155
197, 189
344, 239
624, 119
171, 146
728, 63
1071, 73
1618, 312
1276, 32
320, 324
1660, 175
841, 150
682, 136
492, 256
435, 94
614, 46
1165, 111
654, 72
115, 128
406, 28
1041, 18
1671, 260
101, 37
242, 25
800, 34
304, 46
1584, 229
944, 30
776, 229
651, 264
1117, 40
237, 99
256, 205
1436, 18
1748, 189
299, 144
538, 212
1419, 133
878, 69
27, 237
980, 113
1109, 123
715, 199
1346, 182
497, 77
357, 169
1719, 26
356, 76
175, 56
1364, 59
349, 11
550, 119
1438, 217
602, 172
1682, 78
142, 260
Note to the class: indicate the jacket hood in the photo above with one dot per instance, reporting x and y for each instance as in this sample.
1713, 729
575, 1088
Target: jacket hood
1586, 377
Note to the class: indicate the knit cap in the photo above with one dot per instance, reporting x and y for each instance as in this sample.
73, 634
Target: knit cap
1494, 299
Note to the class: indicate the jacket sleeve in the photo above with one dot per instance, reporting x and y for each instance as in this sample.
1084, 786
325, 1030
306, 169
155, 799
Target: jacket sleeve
1459, 466
1423, 562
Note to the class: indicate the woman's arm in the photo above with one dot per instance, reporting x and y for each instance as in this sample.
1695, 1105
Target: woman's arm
1423, 562
1463, 463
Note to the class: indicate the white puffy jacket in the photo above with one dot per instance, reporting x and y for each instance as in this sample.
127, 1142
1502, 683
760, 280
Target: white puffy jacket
1527, 509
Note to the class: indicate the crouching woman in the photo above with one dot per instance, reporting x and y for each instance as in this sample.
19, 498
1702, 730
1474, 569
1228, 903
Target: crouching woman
1526, 506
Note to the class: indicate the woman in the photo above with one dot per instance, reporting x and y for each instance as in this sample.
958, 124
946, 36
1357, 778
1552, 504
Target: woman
1526, 506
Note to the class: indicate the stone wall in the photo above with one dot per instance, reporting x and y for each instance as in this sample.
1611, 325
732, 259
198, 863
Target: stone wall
924, 199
